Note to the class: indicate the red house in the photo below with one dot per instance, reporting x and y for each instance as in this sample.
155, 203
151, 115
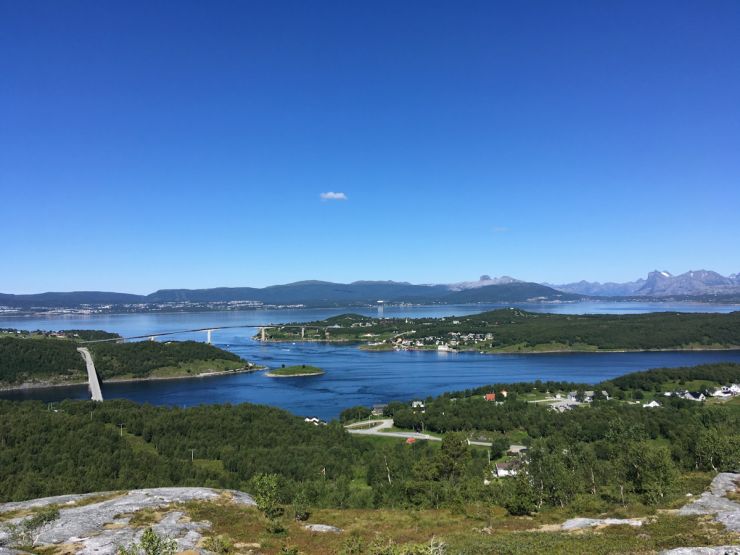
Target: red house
490, 396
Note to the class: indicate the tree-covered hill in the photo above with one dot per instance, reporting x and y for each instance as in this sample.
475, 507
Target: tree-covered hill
309, 293
597, 458
78, 447
41, 358
139, 359
516, 330
38, 359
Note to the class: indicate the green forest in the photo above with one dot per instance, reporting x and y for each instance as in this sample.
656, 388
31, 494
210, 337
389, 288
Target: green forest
42, 358
140, 359
39, 359
516, 330
606, 455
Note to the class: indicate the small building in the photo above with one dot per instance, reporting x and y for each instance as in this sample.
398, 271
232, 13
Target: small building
721, 392
417, 404
490, 396
515, 449
651, 404
562, 406
504, 393
378, 410
508, 468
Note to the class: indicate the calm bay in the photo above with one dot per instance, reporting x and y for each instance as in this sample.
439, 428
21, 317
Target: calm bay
353, 376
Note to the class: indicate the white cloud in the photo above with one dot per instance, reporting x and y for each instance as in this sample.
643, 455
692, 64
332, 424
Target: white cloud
330, 195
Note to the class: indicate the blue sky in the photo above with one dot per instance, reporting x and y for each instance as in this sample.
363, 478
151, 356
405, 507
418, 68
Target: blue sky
148, 145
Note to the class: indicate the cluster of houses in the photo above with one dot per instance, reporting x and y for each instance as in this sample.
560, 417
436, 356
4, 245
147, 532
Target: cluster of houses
567, 402
442, 343
685, 394
724, 392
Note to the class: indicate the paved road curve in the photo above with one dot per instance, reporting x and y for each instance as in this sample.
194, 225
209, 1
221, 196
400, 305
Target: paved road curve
92, 376
379, 427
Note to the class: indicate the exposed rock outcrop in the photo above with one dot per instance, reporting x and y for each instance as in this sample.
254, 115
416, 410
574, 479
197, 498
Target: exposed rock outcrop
99, 528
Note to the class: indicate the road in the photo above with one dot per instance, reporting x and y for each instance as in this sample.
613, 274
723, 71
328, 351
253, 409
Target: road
92, 376
379, 427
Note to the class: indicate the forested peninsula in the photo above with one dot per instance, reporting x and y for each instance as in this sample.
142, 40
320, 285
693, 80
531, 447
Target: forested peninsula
41, 359
514, 330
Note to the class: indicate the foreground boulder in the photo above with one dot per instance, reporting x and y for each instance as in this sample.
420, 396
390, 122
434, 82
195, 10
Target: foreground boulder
91, 527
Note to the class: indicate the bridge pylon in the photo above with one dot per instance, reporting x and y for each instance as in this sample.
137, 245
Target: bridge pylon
208, 336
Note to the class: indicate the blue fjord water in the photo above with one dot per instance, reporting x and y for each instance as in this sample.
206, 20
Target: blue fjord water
353, 377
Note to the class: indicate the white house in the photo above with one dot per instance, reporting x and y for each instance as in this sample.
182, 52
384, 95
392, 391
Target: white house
651, 404
315, 421
724, 391
504, 469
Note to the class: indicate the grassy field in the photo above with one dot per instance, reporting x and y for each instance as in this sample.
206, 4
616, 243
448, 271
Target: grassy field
470, 529
295, 371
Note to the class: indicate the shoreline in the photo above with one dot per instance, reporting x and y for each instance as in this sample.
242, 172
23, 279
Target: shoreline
51, 385
271, 375
391, 349
656, 300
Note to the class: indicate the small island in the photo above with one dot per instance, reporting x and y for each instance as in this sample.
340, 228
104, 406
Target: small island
297, 371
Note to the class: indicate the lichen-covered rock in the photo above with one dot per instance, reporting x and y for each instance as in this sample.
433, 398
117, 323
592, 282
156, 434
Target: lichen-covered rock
100, 528
715, 502
323, 528
580, 523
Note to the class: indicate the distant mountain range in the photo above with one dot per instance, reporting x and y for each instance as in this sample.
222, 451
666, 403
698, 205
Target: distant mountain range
309, 293
660, 284
701, 284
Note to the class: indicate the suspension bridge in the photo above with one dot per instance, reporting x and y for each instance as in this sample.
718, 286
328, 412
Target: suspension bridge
262, 329
94, 382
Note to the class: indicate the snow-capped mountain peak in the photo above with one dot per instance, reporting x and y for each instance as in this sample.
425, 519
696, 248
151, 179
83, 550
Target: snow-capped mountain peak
483, 281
